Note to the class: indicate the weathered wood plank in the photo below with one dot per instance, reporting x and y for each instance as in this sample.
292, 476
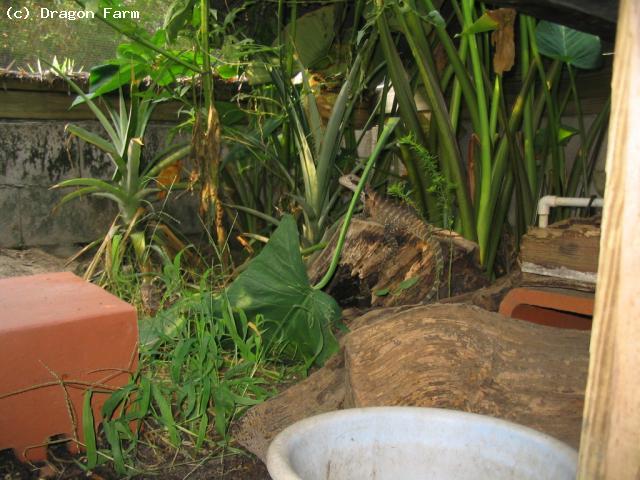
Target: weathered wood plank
25, 105
567, 249
610, 444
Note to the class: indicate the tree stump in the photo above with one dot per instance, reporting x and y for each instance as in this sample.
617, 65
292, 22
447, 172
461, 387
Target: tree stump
447, 356
374, 272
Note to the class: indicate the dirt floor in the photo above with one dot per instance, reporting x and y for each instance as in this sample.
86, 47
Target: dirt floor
63, 466
16, 263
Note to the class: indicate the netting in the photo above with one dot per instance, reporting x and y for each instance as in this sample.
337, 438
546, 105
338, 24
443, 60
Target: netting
85, 42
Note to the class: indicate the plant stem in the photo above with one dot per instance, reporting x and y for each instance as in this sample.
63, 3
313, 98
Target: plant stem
380, 145
483, 223
553, 123
527, 118
457, 63
582, 154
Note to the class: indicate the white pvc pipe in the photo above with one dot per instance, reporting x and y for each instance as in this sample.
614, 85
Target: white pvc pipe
548, 201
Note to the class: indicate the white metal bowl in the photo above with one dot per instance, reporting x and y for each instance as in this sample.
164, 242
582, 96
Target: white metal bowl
411, 443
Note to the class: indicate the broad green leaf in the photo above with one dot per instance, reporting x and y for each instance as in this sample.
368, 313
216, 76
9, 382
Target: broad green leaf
202, 429
179, 356
314, 34
106, 78
227, 72
565, 134
143, 400
100, 186
98, 141
275, 285
381, 292
189, 394
223, 407
177, 18
230, 113
576, 48
73, 195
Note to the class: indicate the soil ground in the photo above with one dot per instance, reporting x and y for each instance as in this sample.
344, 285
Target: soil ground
16, 263
62, 466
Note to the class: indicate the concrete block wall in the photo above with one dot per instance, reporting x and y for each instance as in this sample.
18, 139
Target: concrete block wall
36, 154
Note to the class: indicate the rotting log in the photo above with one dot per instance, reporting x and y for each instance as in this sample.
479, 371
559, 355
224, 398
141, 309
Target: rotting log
372, 269
610, 445
447, 356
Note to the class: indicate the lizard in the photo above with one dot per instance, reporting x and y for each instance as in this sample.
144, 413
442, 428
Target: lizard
398, 218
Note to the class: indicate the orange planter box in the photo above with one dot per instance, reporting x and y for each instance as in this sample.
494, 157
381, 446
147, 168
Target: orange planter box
59, 335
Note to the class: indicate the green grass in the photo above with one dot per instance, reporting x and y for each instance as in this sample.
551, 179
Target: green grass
200, 367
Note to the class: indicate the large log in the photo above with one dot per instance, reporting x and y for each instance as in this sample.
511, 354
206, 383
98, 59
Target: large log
448, 356
374, 271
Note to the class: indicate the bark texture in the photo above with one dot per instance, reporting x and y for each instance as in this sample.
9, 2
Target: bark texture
448, 356
376, 270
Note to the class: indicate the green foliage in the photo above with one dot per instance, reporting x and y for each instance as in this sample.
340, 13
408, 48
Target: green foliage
130, 186
575, 48
502, 168
85, 42
201, 364
439, 185
206, 355
275, 285
66, 66
314, 35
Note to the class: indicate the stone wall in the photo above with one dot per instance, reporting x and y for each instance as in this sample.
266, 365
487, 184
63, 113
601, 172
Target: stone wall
36, 154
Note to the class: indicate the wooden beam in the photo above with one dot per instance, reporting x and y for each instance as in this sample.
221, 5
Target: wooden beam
593, 16
610, 444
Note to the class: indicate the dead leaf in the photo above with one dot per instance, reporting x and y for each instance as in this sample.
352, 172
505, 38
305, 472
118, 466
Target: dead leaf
502, 39
168, 176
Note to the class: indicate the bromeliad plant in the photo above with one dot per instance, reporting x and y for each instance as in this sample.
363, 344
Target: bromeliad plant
131, 187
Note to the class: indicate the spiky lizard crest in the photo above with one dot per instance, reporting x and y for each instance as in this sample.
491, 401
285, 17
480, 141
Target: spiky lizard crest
397, 217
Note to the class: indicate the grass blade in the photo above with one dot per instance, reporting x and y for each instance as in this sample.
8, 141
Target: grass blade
88, 430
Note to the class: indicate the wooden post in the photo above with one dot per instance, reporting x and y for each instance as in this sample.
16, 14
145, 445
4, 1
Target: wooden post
610, 444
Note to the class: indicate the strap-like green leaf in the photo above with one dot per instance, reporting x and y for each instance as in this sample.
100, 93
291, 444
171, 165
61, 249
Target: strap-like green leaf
100, 185
88, 430
73, 195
